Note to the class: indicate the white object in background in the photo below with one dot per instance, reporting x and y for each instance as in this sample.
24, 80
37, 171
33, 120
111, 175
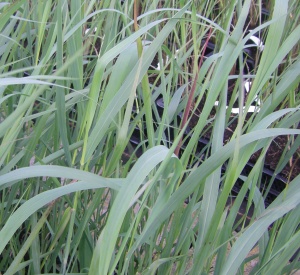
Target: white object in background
88, 30
251, 109
167, 60
257, 42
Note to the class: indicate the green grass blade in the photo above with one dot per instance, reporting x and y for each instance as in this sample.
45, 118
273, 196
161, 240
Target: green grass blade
249, 238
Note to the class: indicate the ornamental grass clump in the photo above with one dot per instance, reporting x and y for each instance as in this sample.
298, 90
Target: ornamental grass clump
95, 178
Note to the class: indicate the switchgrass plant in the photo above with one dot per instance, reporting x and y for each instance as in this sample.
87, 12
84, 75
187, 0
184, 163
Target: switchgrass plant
77, 197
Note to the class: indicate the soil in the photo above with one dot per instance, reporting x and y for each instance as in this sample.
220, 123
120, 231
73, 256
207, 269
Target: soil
273, 155
275, 152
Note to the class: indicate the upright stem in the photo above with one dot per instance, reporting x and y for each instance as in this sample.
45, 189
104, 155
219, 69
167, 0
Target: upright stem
145, 83
191, 95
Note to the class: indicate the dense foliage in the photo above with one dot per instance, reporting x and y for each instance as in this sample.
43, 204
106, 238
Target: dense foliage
96, 179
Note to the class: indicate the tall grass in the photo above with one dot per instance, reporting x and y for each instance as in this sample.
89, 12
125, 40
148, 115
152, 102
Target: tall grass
77, 197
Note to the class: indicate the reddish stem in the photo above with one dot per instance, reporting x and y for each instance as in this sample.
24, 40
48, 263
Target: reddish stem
191, 95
